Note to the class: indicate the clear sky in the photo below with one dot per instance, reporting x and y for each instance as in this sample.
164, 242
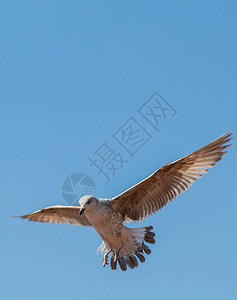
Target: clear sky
73, 75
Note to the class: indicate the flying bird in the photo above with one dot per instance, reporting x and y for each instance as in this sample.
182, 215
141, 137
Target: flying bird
109, 216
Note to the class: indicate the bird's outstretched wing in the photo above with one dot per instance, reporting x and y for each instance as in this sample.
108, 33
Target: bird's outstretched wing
59, 214
153, 193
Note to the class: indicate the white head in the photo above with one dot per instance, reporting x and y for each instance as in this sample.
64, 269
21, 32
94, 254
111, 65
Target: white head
87, 202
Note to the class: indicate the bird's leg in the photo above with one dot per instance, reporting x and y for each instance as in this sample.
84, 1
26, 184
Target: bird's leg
105, 259
117, 252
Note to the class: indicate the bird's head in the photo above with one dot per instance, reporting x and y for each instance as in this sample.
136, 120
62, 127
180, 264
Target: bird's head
87, 202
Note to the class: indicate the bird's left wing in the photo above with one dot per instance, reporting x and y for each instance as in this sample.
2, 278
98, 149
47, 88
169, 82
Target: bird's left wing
59, 214
167, 183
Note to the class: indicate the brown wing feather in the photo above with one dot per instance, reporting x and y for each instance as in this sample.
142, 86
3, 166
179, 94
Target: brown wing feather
59, 214
168, 182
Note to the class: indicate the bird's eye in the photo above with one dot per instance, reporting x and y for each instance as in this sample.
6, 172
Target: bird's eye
89, 201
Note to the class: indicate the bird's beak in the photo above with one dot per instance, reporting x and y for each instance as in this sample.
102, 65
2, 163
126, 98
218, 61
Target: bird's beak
81, 210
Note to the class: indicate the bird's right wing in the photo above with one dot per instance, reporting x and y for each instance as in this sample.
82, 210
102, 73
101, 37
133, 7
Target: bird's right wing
59, 214
153, 193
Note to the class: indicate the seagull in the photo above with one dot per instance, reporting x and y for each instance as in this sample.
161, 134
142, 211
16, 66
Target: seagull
109, 216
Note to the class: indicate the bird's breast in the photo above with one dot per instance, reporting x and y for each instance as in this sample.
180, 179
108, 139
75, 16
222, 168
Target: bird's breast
108, 225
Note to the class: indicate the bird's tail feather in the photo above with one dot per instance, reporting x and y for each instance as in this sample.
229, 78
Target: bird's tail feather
136, 247
133, 249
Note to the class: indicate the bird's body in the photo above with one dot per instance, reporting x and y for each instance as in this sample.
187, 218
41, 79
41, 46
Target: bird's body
107, 223
117, 238
108, 216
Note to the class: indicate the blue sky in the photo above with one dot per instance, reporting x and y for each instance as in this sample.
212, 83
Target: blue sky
72, 73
